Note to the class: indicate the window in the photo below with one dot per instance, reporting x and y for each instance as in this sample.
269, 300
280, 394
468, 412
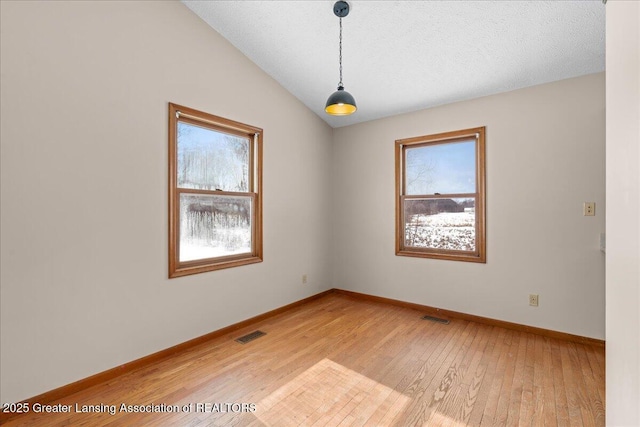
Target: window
215, 192
440, 196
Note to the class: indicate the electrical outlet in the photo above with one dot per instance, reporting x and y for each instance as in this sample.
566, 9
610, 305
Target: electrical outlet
304, 279
589, 209
533, 300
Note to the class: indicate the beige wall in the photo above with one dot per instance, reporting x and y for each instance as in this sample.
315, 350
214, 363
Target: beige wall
85, 87
545, 157
623, 213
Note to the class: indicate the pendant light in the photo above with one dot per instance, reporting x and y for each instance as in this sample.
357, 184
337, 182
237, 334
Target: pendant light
341, 103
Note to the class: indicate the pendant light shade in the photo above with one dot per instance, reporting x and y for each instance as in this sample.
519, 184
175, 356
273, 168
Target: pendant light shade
341, 102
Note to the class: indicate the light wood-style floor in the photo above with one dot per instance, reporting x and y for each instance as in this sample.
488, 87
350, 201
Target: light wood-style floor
339, 361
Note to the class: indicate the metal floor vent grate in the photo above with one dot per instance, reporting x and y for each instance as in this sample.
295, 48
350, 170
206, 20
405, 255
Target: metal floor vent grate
436, 319
250, 337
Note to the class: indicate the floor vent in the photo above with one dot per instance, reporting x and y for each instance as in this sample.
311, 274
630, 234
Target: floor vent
250, 337
436, 319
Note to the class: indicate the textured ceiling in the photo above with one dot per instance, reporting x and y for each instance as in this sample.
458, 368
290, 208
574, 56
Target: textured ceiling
402, 56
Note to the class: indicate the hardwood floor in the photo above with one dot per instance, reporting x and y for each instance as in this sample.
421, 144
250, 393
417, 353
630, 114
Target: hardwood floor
339, 361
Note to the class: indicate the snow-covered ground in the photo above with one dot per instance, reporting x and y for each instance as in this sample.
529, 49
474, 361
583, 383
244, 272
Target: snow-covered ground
190, 251
225, 242
447, 230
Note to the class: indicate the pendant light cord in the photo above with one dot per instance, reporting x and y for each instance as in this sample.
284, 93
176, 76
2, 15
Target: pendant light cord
340, 84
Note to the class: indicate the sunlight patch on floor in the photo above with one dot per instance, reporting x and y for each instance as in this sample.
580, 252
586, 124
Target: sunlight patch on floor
437, 419
330, 394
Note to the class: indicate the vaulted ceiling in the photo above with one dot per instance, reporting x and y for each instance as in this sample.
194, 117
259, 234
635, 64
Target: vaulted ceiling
402, 56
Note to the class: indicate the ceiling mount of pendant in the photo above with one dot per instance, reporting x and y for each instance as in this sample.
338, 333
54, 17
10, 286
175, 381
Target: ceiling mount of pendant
341, 9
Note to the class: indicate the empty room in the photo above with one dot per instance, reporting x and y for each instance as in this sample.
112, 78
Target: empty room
320, 213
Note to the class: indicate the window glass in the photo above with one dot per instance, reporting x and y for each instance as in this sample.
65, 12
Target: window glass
441, 168
441, 223
210, 160
214, 226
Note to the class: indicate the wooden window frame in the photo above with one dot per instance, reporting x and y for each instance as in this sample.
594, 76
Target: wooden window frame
178, 113
401, 145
